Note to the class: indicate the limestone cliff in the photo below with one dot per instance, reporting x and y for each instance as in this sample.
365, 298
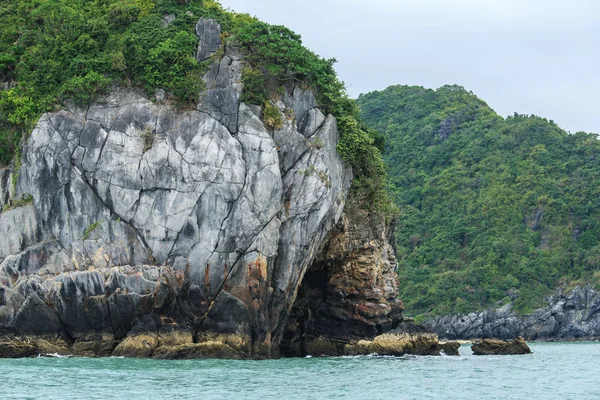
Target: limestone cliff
204, 218
136, 229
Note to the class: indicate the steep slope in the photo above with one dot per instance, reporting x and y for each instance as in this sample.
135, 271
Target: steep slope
493, 210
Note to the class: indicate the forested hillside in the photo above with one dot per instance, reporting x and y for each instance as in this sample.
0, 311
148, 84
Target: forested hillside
492, 209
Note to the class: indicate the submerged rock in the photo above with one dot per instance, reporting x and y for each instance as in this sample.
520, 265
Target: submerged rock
500, 347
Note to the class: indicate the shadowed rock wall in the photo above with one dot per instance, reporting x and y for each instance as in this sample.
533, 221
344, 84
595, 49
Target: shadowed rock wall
350, 291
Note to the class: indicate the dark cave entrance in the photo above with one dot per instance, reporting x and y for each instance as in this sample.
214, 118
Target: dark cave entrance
305, 315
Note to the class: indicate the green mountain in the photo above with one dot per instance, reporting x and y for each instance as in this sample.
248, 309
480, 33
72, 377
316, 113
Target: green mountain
491, 209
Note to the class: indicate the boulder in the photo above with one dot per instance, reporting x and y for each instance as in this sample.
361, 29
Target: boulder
15, 348
138, 346
449, 348
94, 345
500, 347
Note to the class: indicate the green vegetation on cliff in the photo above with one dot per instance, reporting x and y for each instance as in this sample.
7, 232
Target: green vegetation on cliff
491, 208
55, 50
52, 51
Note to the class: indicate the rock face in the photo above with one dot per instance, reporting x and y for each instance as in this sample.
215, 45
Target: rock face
575, 315
152, 228
5, 186
499, 347
349, 292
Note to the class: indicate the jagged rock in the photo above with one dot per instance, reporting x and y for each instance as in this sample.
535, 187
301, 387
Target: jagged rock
300, 101
36, 318
42, 258
500, 347
17, 349
311, 122
69, 294
575, 315
209, 33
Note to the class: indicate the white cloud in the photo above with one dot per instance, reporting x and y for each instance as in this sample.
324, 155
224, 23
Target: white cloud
529, 56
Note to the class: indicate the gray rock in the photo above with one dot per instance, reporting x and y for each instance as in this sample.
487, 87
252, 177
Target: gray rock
160, 96
35, 317
209, 35
311, 122
221, 100
15, 240
567, 316
43, 258
167, 20
5, 186
299, 100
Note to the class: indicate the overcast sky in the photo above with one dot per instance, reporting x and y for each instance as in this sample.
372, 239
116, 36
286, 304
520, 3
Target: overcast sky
528, 56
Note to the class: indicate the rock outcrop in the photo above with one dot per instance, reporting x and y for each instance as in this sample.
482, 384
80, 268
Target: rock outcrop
150, 221
486, 347
571, 316
349, 293
144, 231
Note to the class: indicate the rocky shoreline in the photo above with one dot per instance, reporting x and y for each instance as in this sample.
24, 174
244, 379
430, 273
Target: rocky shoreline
572, 316
179, 345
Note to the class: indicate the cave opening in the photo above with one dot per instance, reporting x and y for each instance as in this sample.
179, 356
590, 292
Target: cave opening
303, 320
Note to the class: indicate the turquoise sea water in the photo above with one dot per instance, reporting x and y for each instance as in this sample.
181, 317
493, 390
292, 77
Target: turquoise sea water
553, 371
